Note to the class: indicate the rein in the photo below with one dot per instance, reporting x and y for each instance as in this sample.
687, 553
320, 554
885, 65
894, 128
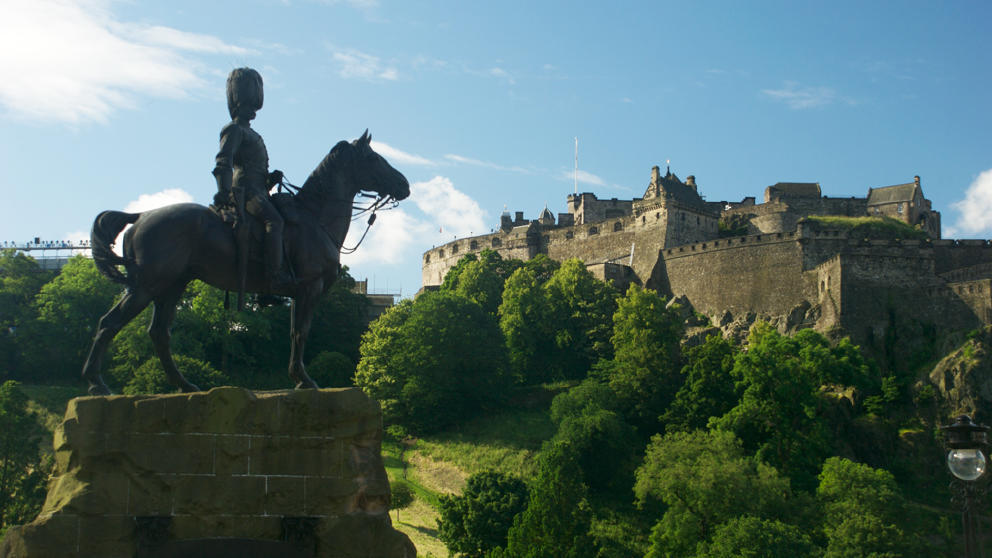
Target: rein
372, 207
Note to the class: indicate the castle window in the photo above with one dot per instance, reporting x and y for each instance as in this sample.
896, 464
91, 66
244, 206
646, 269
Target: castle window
657, 216
440, 253
697, 219
454, 248
569, 235
427, 258
643, 219
473, 245
899, 208
497, 242
593, 230
617, 227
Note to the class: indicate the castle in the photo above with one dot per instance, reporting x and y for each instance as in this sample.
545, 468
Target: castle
784, 260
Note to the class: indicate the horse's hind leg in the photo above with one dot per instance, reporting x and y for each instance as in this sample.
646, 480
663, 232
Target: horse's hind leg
162, 315
129, 306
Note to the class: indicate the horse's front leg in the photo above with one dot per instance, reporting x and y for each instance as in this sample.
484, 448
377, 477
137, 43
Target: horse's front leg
302, 315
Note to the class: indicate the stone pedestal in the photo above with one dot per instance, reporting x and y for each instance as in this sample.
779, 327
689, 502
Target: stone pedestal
286, 473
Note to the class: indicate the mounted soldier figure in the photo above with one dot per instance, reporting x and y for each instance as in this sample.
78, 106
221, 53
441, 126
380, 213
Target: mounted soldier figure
166, 248
243, 177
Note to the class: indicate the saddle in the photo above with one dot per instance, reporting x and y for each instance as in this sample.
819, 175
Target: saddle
284, 203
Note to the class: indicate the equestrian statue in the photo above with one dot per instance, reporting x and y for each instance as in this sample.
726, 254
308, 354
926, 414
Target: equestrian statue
247, 241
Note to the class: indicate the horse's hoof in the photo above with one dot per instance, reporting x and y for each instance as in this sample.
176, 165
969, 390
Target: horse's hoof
99, 389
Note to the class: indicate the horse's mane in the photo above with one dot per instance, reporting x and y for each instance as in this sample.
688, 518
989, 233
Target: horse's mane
315, 189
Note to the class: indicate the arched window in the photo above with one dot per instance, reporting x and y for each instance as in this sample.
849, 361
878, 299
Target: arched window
497, 242
427, 258
474, 245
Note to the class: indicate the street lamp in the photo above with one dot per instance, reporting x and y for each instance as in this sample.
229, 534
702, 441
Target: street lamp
965, 441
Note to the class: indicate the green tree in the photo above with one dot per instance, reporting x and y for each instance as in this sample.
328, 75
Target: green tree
705, 479
603, 445
581, 312
481, 278
558, 329
526, 323
862, 509
477, 522
645, 370
68, 308
433, 361
150, 377
331, 369
708, 390
751, 537
778, 415
400, 496
22, 486
558, 517
20, 281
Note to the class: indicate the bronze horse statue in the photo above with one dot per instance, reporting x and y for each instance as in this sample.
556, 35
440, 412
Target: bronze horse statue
171, 246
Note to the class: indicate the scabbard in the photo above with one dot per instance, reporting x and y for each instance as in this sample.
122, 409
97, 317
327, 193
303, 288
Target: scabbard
241, 235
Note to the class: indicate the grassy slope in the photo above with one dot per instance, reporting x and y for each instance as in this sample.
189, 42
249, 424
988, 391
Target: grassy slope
440, 464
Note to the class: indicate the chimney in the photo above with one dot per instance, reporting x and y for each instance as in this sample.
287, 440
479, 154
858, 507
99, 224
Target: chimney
916, 179
690, 181
655, 175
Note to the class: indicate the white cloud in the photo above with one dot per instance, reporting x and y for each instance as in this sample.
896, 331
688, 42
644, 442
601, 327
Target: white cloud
799, 97
399, 234
484, 164
147, 202
585, 177
355, 64
975, 209
394, 155
502, 74
73, 61
451, 209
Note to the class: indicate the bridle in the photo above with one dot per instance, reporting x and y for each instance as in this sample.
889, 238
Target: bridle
357, 211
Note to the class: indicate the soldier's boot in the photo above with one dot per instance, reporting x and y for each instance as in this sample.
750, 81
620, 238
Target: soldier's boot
276, 275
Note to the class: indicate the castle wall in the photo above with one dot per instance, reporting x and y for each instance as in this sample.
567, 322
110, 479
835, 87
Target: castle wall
956, 254
740, 274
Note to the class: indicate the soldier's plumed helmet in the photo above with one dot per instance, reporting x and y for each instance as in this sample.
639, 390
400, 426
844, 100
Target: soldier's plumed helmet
244, 92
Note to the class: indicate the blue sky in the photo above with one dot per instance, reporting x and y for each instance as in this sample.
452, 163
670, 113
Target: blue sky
117, 104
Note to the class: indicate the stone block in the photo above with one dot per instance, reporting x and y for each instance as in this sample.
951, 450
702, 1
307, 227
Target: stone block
214, 495
106, 536
204, 526
290, 455
332, 497
285, 496
231, 454
172, 453
149, 415
150, 495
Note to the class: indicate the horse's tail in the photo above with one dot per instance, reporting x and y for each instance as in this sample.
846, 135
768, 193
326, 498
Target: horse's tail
106, 227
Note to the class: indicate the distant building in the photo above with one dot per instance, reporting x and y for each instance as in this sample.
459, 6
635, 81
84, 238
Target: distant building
770, 260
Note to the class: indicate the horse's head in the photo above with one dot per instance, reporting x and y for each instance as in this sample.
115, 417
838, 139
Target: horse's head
371, 171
